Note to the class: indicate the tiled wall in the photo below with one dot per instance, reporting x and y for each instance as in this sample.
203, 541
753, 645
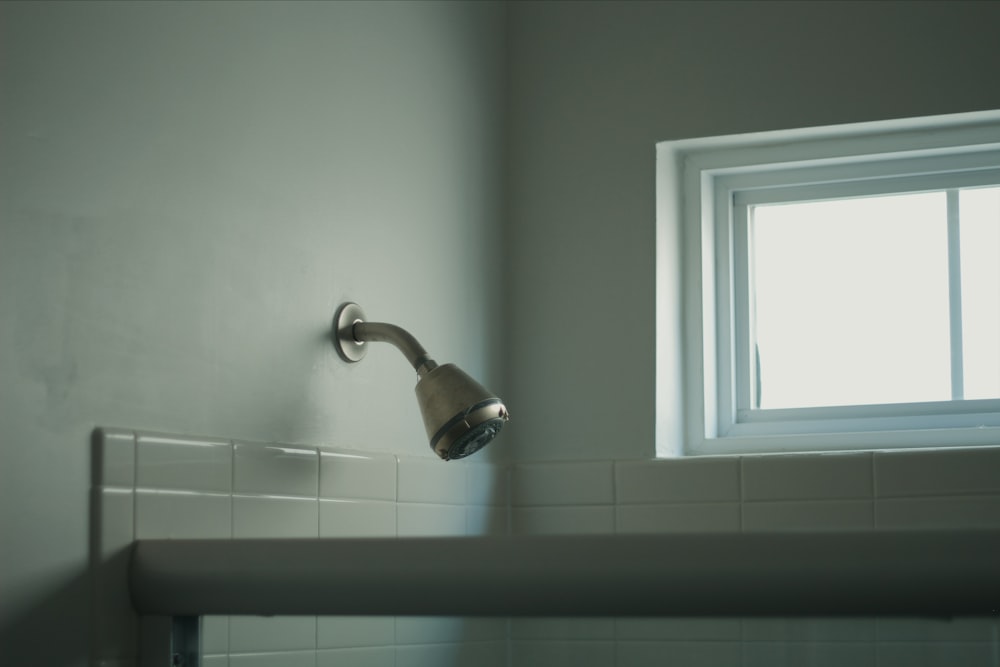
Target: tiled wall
155, 486
855, 491
162, 486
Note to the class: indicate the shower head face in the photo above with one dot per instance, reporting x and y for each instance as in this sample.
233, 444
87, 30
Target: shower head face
460, 415
468, 432
474, 439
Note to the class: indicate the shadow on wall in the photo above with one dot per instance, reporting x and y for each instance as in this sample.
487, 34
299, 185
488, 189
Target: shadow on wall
45, 629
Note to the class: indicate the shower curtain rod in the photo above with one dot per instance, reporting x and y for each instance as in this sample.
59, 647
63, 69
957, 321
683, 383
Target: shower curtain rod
897, 573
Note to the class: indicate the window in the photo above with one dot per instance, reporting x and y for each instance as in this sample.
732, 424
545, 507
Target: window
902, 290
841, 285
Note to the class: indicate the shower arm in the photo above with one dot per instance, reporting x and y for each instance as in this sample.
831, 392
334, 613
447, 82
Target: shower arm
370, 332
351, 335
460, 415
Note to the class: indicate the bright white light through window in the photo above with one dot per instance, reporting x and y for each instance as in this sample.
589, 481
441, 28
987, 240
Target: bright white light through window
980, 229
852, 303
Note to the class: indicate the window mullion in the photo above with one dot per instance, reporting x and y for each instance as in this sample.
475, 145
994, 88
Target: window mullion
955, 296
744, 336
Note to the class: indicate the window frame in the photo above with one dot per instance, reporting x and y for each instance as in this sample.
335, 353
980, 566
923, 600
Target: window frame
703, 185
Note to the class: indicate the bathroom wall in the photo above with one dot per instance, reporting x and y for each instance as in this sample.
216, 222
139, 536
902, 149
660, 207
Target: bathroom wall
164, 486
593, 87
187, 191
862, 491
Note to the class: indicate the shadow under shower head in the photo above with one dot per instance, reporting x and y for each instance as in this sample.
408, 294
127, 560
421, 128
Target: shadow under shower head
460, 415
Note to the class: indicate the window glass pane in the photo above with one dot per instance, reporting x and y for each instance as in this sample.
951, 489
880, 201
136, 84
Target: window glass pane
980, 243
849, 301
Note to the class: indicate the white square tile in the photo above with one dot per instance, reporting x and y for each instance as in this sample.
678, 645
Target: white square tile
278, 470
215, 635
940, 472
486, 520
483, 654
214, 660
355, 631
539, 653
814, 654
257, 634
694, 518
969, 629
948, 513
357, 518
809, 629
692, 480
429, 629
182, 515
812, 515
427, 655
357, 657
114, 458
278, 659
418, 520
449, 629
487, 484
184, 464
115, 516
357, 475
808, 477
678, 629
485, 628
427, 480
565, 483
561, 628
467, 654
688, 653
584, 520
937, 654
269, 516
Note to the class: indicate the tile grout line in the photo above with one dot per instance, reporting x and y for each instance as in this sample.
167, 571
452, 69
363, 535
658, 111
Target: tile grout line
135, 485
740, 490
614, 507
232, 489
319, 522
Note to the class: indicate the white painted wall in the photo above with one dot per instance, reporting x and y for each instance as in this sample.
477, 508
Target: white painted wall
593, 87
187, 191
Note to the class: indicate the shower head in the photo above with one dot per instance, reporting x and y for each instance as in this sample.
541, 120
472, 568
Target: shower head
460, 415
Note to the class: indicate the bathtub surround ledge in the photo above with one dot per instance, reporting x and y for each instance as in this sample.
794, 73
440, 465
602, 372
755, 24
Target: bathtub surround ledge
155, 485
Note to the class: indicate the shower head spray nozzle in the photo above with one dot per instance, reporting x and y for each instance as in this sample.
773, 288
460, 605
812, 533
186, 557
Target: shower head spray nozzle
460, 415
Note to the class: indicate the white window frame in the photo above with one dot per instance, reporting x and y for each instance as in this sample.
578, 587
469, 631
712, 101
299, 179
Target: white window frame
703, 187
